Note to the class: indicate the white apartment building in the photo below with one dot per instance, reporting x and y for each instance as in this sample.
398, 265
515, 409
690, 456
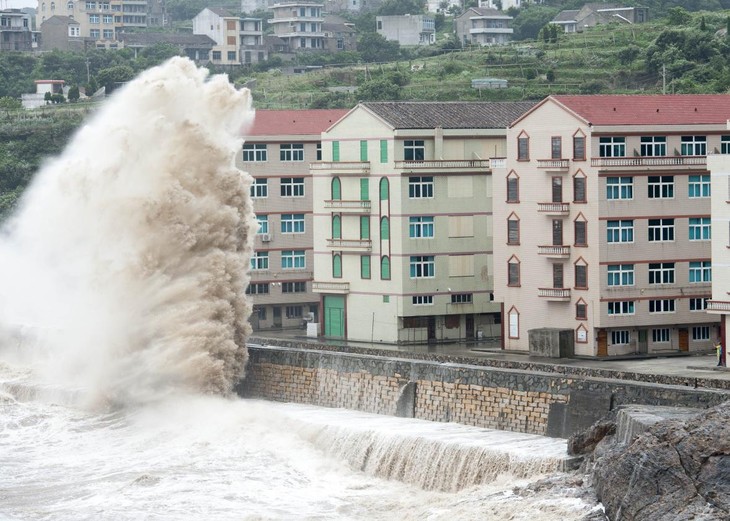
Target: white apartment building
403, 220
299, 25
408, 29
604, 226
483, 26
277, 152
719, 166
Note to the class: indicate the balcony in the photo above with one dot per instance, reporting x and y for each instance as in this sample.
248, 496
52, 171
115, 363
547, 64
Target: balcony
357, 168
553, 165
648, 162
444, 166
554, 252
350, 244
331, 287
718, 306
348, 206
554, 294
551, 209
491, 30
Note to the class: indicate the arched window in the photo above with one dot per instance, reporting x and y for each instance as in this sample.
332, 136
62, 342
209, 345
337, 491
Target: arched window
70, 6
336, 189
385, 267
384, 189
337, 266
384, 228
336, 227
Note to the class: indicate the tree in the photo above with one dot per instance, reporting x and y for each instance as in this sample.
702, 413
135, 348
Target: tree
678, 16
73, 94
395, 7
379, 89
114, 77
528, 22
373, 47
9, 104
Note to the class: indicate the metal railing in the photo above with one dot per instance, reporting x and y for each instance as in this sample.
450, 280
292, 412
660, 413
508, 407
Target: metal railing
607, 162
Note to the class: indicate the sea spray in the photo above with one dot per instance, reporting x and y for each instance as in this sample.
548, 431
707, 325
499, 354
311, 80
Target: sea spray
124, 270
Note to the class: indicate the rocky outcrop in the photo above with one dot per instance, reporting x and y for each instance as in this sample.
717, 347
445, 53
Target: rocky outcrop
676, 470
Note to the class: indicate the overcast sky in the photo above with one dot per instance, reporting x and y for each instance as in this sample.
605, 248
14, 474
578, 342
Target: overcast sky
17, 4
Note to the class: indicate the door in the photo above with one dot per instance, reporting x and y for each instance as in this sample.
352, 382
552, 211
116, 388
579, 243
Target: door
469, 326
684, 339
643, 341
334, 316
557, 232
558, 276
277, 316
431, 329
602, 343
557, 189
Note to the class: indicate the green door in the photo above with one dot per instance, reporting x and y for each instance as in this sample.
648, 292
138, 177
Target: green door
334, 316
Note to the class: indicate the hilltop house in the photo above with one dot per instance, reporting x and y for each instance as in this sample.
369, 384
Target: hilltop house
415, 29
599, 13
483, 26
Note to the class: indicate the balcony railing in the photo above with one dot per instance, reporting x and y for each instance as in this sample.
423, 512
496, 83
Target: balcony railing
444, 164
498, 162
557, 252
350, 244
623, 162
554, 208
553, 164
721, 306
554, 294
342, 167
330, 287
343, 205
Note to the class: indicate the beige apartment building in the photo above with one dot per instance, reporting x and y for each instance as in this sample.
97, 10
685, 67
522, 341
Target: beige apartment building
603, 226
403, 221
299, 25
719, 166
277, 152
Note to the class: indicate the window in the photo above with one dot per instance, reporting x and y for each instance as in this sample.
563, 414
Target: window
364, 226
420, 187
254, 152
337, 266
108, 19
558, 276
661, 336
422, 266
700, 229
260, 260
556, 147
335, 151
581, 276
422, 300
292, 187
513, 230
74, 31
94, 33
579, 148
620, 231
694, 146
293, 311
462, 298
364, 189
698, 304
621, 337
619, 188
622, 307
523, 148
661, 273
363, 150
612, 147
292, 223
293, 287
336, 227
701, 333
291, 152
661, 230
384, 189
90, 6
216, 55
108, 34
699, 186
365, 266
293, 259
383, 150
414, 150
661, 187
725, 144
263, 224
580, 229
513, 272
514, 323
231, 56
385, 267
94, 18
420, 227
258, 289
653, 146
620, 274
581, 310
700, 271
513, 188
579, 189
661, 306
318, 153
336, 189
384, 228
259, 188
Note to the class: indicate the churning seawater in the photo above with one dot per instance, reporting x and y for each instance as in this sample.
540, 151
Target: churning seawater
123, 323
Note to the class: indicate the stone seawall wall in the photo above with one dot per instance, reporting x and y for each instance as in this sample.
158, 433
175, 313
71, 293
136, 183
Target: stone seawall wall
531, 400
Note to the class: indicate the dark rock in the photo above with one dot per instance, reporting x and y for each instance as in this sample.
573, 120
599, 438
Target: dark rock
676, 470
585, 442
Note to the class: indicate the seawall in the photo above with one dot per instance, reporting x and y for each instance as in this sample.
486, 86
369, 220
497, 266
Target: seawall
535, 398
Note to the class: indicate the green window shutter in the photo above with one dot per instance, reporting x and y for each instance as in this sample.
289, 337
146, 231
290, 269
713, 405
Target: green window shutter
363, 150
336, 227
365, 266
365, 227
336, 189
384, 189
385, 268
337, 266
365, 189
383, 150
335, 151
384, 228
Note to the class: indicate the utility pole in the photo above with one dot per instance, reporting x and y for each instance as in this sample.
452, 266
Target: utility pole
88, 76
664, 79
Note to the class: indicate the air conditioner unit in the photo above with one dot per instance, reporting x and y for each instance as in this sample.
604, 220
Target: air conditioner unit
265, 237
309, 317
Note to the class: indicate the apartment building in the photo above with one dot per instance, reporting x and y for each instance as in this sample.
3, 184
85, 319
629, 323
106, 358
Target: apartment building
299, 25
16, 32
403, 220
719, 166
604, 228
407, 29
223, 28
483, 26
277, 152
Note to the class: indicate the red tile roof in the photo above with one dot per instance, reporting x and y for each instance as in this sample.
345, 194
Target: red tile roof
674, 109
294, 122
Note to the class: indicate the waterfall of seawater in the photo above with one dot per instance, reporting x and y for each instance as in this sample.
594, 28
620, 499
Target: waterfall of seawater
124, 270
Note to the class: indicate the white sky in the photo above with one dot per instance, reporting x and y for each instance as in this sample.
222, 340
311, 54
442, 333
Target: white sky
17, 4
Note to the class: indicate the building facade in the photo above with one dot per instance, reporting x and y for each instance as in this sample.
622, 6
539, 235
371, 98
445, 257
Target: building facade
408, 29
223, 28
483, 26
719, 306
299, 25
16, 31
403, 220
592, 14
604, 222
277, 153
62, 33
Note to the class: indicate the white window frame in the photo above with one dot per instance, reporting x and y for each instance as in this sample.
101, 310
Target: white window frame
700, 271
291, 152
263, 221
292, 223
661, 273
620, 337
94, 19
664, 305
414, 150
294, 311
660, 187
255, 153
700, 229
620, 274
725, 144
621, 231
619, 188
661, 335
260, 261
422, 266
621, 307
107, 34
292, 187
260, 188
422, 300
612, 146
693, 145
462, 298
421, 227
699, 186
698, 303
653, 146
293, 259
107, 19
660, 230
420, 187
701, 333
294, 287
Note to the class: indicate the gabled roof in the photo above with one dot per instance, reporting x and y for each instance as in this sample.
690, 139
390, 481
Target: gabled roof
454, 114
294, 122
220, 11
60, 20
569, 15
180, 39
675, 109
